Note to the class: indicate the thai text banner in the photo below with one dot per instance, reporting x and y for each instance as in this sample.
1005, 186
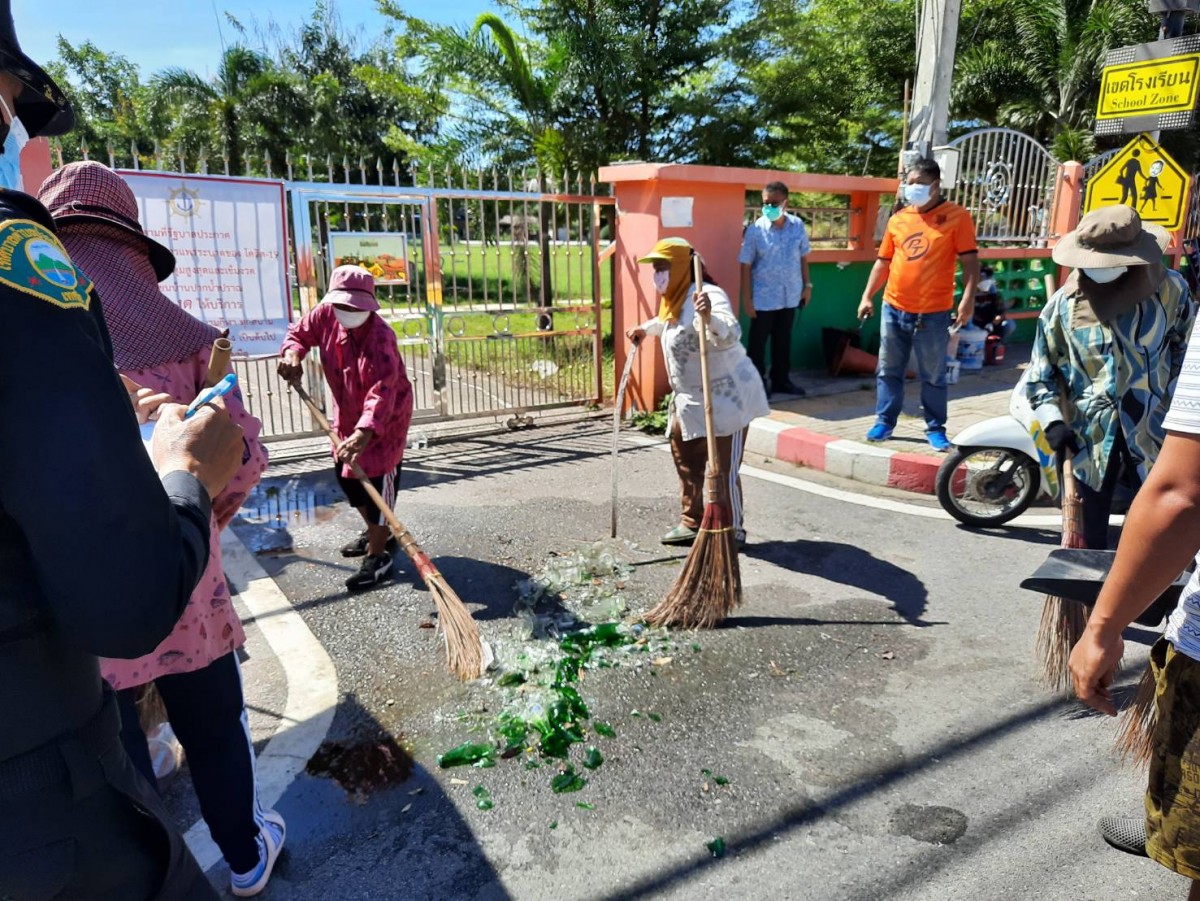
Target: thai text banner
230, 244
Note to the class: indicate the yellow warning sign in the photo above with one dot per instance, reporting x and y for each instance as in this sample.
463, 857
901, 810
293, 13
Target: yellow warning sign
1150, 87
1144, 177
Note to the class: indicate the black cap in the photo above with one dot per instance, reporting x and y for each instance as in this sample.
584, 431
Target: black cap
42, 107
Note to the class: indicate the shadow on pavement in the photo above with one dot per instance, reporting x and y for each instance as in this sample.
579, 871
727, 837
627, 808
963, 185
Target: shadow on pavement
1015, 533
364, 818
790, 821
848, 565
491, 585
754, 622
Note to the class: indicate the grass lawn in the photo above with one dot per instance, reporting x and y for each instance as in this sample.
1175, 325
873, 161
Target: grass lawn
474, 274
480, 348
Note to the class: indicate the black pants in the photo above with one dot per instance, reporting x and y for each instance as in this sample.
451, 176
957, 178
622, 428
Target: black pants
776, 326
208, 715
1097, 505
88, 828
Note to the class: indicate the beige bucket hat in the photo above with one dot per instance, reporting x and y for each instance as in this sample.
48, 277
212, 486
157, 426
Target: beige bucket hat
1112, 236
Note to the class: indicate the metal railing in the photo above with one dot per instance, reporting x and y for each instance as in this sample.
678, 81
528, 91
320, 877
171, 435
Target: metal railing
1006, 180
827, 226
504, 306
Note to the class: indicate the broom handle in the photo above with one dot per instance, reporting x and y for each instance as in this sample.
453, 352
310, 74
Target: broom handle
698, 275
404, 538
218, 361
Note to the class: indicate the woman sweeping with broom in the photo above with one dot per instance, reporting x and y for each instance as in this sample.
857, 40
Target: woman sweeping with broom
1108, 350
736, 388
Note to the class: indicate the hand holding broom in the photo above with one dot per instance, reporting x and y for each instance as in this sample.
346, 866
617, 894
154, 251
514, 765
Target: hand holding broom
464, 647
710, 584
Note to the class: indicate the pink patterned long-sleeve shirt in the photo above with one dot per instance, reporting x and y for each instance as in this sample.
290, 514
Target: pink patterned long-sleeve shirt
209, 628
367, 379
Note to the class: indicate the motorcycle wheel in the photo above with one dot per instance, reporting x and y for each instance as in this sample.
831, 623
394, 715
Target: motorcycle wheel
986, 486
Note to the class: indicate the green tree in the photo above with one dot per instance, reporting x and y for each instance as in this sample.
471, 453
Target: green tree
1036, 66
825, 81
109, 99
235, 115
356, 102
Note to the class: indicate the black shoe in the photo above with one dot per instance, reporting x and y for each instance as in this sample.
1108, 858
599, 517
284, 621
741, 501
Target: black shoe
1126, 834
357, 547
789, 388
371, 573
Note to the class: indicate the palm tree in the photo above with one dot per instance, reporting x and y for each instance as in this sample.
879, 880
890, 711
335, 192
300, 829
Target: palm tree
1040, 69
225, 110
510, 66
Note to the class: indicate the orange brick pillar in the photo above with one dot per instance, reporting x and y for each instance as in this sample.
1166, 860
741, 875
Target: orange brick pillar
717, 208
1067, 208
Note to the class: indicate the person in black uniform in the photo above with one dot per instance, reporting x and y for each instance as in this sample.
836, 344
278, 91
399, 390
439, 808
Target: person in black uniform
101, 545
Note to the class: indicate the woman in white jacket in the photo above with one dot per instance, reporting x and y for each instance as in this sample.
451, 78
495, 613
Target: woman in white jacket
737, 390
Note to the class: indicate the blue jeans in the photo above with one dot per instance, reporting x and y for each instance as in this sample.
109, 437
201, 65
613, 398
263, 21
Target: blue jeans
900, 333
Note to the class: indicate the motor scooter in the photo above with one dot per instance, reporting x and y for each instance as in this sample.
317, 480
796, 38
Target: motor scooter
996, 469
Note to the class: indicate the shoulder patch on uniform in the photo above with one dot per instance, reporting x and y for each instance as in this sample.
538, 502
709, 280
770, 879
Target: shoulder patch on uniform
33, 262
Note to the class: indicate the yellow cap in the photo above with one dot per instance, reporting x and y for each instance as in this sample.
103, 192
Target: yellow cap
662, 250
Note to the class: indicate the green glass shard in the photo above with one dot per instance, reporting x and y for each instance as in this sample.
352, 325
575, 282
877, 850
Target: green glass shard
567, 781
467, 753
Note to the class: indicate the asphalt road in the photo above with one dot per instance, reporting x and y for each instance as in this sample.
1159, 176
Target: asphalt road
872, 705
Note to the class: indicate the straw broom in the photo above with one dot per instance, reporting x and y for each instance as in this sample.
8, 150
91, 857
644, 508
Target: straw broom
710, 584
1135, 736
1063, 621
464, 647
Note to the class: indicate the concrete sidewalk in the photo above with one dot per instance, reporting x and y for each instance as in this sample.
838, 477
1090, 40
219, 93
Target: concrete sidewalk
826, 429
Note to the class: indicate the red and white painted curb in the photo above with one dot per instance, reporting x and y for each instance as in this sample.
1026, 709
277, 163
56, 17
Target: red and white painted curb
840, 457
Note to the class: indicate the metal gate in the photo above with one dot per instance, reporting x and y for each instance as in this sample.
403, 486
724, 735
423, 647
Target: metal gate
1006, 179
503, 312
501, 307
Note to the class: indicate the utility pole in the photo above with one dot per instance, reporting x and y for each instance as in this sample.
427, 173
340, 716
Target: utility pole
935, 73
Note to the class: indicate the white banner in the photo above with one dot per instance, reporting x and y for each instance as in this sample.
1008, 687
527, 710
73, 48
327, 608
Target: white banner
229, 237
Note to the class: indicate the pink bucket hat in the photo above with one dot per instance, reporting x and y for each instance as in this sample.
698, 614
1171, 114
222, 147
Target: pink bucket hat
352, 286
87, 191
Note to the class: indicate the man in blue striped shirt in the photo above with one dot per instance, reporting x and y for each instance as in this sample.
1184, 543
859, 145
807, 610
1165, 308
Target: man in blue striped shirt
775, 285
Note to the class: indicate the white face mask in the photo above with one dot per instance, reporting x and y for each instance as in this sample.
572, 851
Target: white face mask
1106, 275
662, 278
351, 319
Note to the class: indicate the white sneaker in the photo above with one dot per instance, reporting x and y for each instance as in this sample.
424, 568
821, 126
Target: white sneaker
270, 843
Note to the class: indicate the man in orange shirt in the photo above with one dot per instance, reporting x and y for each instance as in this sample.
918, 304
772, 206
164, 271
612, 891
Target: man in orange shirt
917, 259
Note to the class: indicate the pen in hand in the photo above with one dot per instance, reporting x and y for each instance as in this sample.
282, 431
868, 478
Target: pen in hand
220, 389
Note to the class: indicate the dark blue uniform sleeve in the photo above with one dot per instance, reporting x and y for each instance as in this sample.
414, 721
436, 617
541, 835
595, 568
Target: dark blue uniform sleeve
117, 551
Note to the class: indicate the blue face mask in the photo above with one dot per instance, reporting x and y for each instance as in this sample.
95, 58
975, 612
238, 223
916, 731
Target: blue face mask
918, 195
10, 160
772, 212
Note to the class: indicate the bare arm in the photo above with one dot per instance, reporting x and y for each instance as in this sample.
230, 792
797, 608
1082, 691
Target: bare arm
970, 271
1161, 535
876, 280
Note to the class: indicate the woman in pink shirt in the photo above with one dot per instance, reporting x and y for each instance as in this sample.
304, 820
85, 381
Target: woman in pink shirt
164, 350
372, 403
